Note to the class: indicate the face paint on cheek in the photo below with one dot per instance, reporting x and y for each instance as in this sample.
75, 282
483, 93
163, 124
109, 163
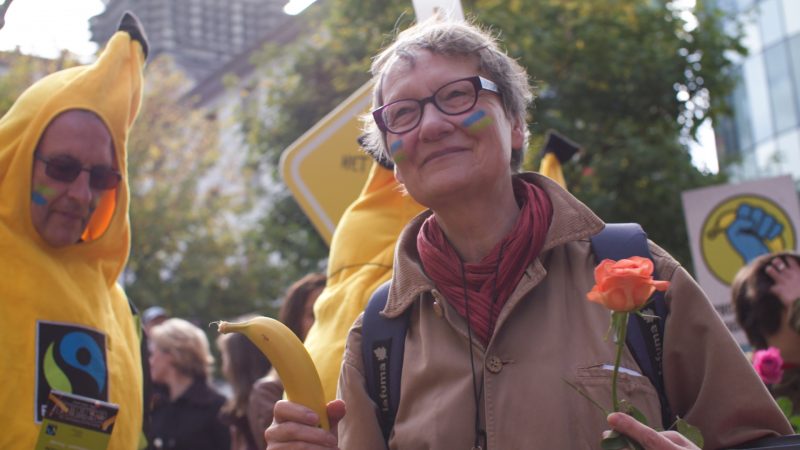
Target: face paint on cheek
477, 121
41, 193
38, 198
395, 151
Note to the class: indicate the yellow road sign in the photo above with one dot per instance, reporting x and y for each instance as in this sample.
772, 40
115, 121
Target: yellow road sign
324, 168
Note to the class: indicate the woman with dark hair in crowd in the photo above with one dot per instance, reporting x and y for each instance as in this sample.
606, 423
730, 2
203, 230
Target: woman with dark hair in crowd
297, 313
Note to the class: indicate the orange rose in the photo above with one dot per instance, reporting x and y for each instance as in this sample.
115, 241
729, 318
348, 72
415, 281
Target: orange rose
624, 285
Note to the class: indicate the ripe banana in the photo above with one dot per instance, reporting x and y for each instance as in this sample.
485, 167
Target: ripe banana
289, 357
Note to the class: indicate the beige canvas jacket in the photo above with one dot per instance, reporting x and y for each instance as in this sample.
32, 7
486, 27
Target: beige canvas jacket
546, 334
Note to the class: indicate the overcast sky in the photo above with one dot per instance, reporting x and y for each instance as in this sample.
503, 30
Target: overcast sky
44, 27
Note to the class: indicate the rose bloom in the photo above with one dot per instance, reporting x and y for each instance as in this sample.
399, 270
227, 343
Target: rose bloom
769, 365
624, 285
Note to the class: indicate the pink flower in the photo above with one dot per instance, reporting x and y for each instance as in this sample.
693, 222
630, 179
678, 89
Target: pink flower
769, 365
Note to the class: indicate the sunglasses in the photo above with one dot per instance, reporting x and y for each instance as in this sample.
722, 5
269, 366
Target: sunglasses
66, 169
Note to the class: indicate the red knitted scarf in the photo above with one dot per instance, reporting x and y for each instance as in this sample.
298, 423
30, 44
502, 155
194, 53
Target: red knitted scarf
490, 282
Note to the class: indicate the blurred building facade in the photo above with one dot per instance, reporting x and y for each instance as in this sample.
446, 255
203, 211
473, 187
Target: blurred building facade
216, 45
762, 139
200, 35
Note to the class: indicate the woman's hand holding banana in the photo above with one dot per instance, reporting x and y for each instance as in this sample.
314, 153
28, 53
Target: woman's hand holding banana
293, 427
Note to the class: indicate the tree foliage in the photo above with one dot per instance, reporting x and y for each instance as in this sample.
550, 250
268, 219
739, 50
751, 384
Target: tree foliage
188, 217
22, 71
627, 79
630, 81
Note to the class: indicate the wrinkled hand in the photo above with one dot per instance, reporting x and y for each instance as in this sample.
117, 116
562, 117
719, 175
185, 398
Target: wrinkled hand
649, 438
785, 272
295, 427
750, 231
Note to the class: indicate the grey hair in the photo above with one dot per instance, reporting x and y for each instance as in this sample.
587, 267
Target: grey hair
452, 38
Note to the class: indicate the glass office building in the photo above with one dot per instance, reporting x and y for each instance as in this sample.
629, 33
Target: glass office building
762, 139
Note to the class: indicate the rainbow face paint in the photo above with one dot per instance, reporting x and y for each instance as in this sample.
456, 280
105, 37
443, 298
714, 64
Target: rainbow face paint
477, 121
395, 151
41, 193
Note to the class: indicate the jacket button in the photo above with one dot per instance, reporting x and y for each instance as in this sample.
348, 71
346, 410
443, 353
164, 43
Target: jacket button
494, 364
437, 309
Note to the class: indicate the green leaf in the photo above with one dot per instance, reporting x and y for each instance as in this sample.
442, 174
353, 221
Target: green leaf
617, 441
795, 421
785, 404
614, 441
629, 409
690, 432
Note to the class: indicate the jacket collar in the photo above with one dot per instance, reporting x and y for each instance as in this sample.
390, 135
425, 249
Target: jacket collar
572, 220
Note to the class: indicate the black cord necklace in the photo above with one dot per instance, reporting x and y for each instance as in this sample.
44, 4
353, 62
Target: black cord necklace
477, 391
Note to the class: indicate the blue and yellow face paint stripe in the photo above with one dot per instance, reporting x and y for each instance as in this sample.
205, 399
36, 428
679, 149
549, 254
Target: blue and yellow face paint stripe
477, 121
396, 151
41, 193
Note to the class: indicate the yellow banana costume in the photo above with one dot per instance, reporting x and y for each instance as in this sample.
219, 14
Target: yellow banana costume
360, 259
551, 168
557, 151
65, 322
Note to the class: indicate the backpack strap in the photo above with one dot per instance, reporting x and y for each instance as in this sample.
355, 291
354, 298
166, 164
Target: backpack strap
383, 343
645, 337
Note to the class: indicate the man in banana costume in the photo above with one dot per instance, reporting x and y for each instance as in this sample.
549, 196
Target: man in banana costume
64, 240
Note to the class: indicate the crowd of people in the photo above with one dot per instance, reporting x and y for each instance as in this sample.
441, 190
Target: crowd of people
491, 278
188, 411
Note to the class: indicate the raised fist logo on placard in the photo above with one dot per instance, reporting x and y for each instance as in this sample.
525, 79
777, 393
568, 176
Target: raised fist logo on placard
750, 231
740, 228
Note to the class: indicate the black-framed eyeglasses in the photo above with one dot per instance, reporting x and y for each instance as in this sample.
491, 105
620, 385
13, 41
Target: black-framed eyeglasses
455, 97
66, 169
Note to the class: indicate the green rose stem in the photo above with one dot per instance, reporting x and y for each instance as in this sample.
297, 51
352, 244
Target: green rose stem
619, 321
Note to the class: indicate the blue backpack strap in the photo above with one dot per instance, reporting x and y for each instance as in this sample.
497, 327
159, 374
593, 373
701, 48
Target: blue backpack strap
645, 336
383, 343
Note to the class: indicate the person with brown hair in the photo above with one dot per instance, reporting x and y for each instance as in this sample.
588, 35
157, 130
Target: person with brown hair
188, 418
766, 298
242, 365
297, 313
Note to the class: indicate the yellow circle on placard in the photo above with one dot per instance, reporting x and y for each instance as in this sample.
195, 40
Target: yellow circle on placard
720, 257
